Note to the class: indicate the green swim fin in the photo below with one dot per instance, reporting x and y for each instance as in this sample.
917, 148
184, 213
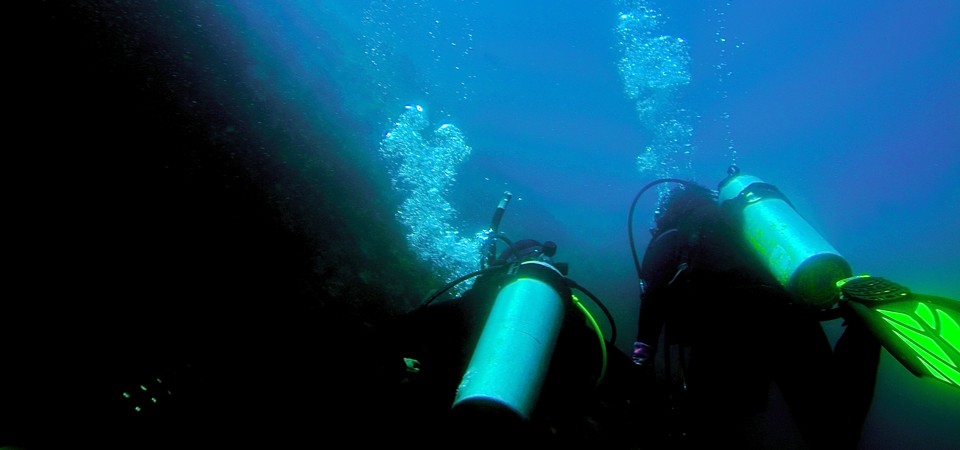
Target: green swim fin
920, 331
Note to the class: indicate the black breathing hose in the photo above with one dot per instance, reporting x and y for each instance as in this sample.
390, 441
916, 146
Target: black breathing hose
633, 206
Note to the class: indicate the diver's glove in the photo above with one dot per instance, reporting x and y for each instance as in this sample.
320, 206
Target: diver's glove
643, 353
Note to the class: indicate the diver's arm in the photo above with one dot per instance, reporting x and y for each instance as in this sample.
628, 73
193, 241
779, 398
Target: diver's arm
649, 326
661, 262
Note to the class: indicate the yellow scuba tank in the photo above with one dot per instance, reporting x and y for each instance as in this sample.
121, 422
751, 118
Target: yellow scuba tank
799, 257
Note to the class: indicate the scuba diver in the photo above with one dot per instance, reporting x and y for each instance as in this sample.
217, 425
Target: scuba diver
735, 285
737, 330
516, 359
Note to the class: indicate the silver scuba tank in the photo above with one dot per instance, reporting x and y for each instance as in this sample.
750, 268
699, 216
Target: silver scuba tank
509, 364
795, 253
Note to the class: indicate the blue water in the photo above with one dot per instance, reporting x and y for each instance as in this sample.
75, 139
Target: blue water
850, 108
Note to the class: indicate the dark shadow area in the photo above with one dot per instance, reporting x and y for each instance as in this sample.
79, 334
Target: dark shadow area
187, 269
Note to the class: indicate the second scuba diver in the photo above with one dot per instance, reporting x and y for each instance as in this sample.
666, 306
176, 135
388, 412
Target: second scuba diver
709, 301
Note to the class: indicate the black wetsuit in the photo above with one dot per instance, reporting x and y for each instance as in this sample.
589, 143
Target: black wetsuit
742, 332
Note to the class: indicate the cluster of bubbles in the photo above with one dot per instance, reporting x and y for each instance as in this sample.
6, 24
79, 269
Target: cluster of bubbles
423, 166
423, 162
436, 38
654, 67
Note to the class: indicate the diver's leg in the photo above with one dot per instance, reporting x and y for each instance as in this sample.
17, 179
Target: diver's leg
857, 354
806, 375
